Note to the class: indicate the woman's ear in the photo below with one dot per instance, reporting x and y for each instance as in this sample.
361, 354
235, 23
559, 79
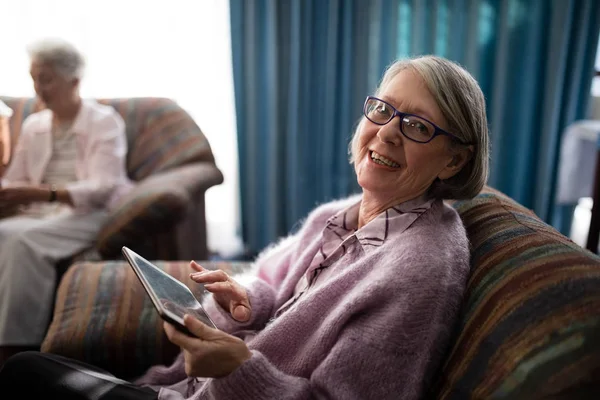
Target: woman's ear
458, 161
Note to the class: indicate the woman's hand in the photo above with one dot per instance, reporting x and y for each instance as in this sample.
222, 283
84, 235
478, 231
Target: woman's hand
7, 212
212, 353
228, 293
21, 196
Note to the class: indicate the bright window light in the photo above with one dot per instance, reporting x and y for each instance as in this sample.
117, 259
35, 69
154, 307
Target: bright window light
178, 49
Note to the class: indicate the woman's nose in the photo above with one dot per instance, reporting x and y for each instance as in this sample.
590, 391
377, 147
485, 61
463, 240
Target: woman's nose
390, 133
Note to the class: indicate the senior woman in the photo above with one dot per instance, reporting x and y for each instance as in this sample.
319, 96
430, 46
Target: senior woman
67, 170
361, 302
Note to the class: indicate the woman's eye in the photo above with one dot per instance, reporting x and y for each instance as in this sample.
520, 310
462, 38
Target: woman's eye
382, 109
420, 127
416, 128
44, 79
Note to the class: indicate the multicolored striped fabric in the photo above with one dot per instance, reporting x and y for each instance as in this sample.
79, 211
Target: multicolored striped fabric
161, 135
150, 209
103, 316
530, 323
154, 205
531, 316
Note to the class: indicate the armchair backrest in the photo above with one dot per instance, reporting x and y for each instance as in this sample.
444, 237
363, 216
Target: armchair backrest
530, 321
160, 133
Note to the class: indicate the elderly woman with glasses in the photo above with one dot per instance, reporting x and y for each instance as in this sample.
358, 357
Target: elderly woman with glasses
362, 301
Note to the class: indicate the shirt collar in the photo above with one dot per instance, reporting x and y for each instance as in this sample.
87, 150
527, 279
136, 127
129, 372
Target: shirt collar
394, 220
81, 120
79, 125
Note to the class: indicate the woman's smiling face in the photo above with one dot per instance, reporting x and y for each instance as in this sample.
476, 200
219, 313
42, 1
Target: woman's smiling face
391, 166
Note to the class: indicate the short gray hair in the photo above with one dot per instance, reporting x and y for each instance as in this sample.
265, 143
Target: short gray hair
462, 104
60, 55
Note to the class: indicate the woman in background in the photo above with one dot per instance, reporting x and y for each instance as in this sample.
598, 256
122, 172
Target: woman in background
67, 170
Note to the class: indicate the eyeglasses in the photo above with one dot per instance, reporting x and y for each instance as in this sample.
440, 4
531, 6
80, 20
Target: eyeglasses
415, 128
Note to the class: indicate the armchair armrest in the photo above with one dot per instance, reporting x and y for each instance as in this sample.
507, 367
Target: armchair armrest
104, 317
155, 205
196, 177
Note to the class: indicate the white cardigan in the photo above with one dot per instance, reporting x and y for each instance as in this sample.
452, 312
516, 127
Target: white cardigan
101, 155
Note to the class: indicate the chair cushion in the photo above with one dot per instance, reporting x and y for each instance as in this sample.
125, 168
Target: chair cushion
103, 316
531, 316
156, 205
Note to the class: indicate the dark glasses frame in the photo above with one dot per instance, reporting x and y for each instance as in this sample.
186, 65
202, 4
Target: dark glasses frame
437, 132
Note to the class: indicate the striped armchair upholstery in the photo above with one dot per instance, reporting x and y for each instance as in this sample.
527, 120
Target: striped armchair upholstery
530, 320
529, 326
172, 162
104, 316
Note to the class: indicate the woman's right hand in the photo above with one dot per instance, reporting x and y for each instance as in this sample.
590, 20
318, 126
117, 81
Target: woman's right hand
228, 293
7, 212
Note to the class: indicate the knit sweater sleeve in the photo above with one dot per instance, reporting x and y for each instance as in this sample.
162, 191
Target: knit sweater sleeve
261, 285
389, 347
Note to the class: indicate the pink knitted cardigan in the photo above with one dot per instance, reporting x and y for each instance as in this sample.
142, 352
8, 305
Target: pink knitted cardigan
378, 327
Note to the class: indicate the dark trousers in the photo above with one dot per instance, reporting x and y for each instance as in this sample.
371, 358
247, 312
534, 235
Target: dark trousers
35, 375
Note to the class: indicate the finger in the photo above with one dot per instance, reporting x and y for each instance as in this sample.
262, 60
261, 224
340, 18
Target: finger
179, 338
230, 287
220, 287
171, 331
197, 267
200, 329
240, 312
209, 276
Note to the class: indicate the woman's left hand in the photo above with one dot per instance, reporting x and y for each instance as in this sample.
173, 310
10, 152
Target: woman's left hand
212, 353
21, 196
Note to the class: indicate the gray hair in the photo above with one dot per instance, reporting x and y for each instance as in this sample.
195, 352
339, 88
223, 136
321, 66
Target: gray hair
60, 55
462, 104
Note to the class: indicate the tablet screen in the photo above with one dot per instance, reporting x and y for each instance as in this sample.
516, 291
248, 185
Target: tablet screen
171, 294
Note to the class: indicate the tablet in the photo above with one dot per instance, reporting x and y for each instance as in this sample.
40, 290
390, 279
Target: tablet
171, 298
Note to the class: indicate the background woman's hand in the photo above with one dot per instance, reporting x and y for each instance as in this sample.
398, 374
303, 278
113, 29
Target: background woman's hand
211, 353
228, 293
7, 212
21, 196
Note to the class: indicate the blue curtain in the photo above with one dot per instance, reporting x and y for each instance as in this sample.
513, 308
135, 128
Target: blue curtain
302, 69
